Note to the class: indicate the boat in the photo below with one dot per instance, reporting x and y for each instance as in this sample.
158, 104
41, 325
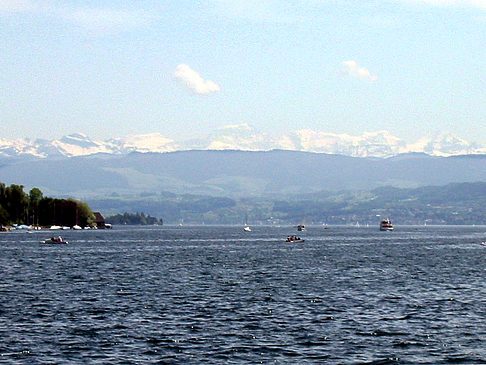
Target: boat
386, 225
247, 227
54, 241
294, 239
301, 227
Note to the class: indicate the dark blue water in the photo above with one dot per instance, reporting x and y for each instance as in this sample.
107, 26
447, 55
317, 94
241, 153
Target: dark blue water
221, 295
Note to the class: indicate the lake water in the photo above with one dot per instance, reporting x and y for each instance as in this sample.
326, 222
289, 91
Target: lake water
220, 295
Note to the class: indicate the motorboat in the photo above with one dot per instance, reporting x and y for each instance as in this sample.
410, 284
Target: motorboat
386, 225
294, 239
301, 227
54, 241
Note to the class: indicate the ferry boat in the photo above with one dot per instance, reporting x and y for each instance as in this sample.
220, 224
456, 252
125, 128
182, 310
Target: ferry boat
386, 225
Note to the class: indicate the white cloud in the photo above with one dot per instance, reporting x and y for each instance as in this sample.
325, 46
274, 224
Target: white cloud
15, 6
194, 81
353, 69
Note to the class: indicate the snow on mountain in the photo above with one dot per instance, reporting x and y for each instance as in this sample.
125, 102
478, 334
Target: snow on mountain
243, 137
369, 144
446, 145
376, 144
79, 144
233, 137
19, 147
152, 142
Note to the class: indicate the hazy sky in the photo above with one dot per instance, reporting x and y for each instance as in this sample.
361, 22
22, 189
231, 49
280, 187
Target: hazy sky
186, 67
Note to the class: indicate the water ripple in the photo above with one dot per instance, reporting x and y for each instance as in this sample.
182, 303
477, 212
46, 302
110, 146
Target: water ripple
221, 295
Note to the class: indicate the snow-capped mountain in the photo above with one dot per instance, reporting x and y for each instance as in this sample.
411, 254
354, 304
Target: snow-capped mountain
79, 144
242, 137
153, 142
446, 145
376, 144
233, 137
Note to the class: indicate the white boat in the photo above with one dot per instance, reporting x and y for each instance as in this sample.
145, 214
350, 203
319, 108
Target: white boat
301, 227
54, 241
386, 225
247, 227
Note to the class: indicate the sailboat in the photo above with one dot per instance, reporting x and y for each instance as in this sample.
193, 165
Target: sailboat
247, 227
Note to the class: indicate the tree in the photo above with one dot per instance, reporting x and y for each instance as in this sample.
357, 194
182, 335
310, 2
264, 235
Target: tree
85, 215
35, 196
17, 203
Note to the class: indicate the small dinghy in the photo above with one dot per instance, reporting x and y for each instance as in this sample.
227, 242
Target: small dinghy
294, 239
54, 241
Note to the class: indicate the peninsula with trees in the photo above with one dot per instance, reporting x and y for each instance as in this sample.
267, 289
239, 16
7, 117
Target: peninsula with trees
34, 209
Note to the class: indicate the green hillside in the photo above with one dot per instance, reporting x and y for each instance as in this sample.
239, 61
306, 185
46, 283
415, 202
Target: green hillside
463, 203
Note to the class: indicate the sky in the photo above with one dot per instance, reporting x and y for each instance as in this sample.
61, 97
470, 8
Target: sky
185, 68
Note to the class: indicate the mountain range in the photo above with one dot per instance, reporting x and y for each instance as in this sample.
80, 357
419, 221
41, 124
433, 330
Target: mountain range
242, 137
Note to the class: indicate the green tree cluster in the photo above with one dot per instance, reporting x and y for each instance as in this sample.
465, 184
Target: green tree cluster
17, 207
133, 219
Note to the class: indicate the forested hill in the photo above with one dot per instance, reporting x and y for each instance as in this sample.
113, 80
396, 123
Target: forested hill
238, 173
463, 203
